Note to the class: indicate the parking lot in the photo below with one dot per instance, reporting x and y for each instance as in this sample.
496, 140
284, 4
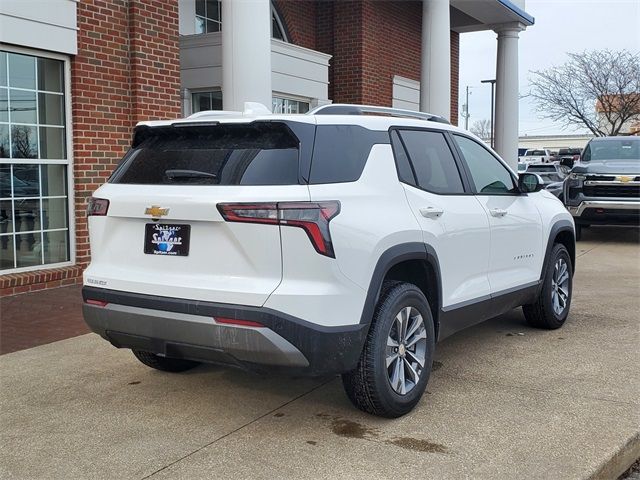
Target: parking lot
504, 401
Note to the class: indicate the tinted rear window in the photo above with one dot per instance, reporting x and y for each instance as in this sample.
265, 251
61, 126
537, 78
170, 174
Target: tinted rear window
341, 151
257, 154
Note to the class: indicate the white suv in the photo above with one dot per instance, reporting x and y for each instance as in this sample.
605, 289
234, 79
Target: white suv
330, 242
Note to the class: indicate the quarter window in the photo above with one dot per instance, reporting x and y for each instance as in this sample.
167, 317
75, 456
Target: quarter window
488, 175
433, 163
34, 162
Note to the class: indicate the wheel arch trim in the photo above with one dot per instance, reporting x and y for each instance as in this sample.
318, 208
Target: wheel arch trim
392, 257
557, 228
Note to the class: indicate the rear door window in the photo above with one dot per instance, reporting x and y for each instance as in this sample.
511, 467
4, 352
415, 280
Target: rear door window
257, 154
433, 163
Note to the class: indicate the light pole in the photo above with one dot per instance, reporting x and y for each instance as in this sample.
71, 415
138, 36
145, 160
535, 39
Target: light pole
465, 109
493, 87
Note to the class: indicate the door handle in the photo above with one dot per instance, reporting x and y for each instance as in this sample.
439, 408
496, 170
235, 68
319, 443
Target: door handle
498, 212
431, 212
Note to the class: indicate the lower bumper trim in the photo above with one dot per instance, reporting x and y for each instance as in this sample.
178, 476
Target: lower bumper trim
185, 328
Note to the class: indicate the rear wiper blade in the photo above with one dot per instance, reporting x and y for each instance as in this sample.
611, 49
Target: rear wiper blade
177, 173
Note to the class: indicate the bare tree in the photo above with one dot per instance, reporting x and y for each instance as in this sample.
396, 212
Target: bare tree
23, 145
482, 128
598, 89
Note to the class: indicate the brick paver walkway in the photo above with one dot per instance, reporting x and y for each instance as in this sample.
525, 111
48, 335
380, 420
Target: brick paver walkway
33, 319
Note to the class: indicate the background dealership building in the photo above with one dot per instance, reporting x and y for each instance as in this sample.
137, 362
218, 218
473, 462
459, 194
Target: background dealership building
76, 76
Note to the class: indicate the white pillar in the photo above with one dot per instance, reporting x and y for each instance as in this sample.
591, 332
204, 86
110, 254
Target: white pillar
246, 53
507, 94
435, 72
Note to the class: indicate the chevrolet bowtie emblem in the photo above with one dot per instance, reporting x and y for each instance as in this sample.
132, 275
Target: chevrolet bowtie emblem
624, 178
156, 211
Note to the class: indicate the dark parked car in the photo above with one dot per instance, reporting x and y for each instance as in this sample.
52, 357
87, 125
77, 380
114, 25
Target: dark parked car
604, 186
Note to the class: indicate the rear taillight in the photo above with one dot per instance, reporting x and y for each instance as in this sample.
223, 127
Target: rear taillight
237, 321
312, 217
97, 206
97, 303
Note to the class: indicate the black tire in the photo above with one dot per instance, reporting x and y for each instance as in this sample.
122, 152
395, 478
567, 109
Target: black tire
541, 314
164, 363
578, 233
368, 386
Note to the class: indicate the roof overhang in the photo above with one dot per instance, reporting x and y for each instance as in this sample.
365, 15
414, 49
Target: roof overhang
477, 15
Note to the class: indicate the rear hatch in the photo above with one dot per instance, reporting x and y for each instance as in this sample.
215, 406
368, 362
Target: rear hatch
162, 233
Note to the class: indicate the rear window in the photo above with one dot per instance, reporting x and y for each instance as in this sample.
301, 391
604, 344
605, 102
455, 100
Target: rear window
618, 149
536, 153
257, 154
341, 151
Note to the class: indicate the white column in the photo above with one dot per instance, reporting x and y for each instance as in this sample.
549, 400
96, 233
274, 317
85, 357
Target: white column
435, 73
507, 94
246, 53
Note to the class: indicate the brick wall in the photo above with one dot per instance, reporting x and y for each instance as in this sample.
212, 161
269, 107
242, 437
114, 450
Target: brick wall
126, 70
299, 19
455, 76
371, 41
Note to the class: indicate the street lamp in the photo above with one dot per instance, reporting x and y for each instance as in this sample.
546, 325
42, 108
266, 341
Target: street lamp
493, 87
465, 110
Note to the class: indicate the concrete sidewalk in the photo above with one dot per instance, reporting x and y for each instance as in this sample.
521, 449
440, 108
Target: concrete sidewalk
504, 401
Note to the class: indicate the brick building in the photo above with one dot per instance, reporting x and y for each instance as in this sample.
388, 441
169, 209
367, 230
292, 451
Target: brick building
76, 76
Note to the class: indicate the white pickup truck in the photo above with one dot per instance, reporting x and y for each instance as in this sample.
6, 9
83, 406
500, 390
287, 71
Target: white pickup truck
537, 156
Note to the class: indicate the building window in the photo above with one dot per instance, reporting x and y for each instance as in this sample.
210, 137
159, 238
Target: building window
277, 27
34, 162
288, 105
208, 18
201, 101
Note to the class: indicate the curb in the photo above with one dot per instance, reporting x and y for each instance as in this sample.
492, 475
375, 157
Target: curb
615, 466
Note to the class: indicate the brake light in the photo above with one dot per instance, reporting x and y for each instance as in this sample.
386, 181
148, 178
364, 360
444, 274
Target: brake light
97, 303
98, 207
235, 321
312, 217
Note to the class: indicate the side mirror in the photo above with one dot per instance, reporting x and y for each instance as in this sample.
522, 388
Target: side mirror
567, 162
530, 182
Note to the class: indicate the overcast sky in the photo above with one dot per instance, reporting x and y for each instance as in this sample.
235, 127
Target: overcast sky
561, 26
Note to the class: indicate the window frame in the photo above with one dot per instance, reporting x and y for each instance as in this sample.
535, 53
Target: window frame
472, 184
462, 171
68, 162
207, 18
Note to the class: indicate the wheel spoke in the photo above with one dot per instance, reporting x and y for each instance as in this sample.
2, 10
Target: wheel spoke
421, 334
391, 342
415, 376
391, 358
417, 323
415, 358
556, 304
403, 381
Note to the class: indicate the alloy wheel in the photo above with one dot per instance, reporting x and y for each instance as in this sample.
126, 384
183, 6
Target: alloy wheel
406, 350
560, 286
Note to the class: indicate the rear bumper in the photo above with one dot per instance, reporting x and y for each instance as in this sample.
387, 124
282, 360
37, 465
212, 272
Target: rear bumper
187, 329
613, 212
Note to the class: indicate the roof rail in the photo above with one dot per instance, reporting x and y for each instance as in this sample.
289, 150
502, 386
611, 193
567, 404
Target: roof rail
348, 109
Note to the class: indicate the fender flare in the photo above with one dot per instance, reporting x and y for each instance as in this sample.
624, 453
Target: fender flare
391, 257
557, 228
